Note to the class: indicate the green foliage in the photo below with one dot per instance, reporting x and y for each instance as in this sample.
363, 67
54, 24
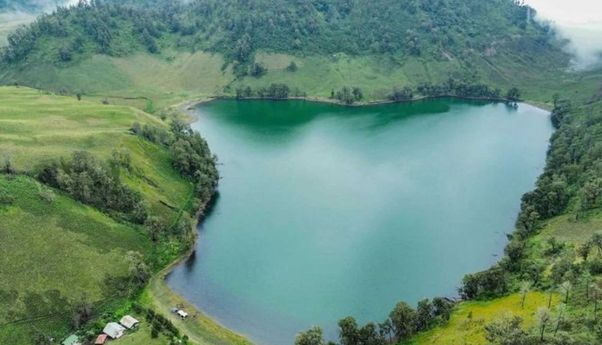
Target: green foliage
401, 94
6, 198
321, 27
88, 180
349, 95
276, 91
257, 70
513, 95
486, 284
152, 133
192, 158
66, 243
506, 331
459, 88
292, 67
312, 336
403, 319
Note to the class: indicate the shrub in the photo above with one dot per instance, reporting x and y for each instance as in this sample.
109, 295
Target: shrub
6, 199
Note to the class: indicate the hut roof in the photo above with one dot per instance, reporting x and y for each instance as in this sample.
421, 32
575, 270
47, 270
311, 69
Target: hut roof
129, 322
101, 339
113, 330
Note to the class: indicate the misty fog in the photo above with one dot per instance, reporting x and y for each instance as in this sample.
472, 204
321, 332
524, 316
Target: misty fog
580, 21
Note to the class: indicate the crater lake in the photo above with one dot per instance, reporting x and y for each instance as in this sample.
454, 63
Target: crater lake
327, 211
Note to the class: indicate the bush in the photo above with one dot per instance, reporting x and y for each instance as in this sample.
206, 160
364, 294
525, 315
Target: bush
595, 266
398, 94
138, 308
47, 195
258, 70
155, 331
6, 199
292, 67
486, 284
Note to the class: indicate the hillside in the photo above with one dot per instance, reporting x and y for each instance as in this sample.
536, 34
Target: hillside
56, 253
68, 243
37, 126
171, 51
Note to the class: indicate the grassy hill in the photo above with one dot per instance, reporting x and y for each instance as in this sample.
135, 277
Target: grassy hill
170, 51
37, 126
466, 325
55, 252
58, 253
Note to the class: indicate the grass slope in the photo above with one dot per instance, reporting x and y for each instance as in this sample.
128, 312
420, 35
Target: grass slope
175, 76
466, 324
53, 253
36, 126
200, 328
165, 79
55, 250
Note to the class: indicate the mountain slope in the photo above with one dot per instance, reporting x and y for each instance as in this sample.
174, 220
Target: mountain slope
402, 43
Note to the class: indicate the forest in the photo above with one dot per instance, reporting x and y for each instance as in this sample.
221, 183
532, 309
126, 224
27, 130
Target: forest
442, 29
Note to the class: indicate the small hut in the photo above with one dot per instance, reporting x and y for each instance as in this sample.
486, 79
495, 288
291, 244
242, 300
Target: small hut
72, 340
101, 339
113, 330
129, 322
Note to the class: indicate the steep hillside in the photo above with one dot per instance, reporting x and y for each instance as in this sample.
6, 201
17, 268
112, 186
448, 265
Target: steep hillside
56, 255
93, 200
372, 45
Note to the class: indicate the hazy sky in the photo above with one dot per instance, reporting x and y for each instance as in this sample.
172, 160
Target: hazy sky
578, 20
572, 12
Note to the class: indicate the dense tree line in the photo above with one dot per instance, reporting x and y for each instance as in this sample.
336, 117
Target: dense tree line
401, 94
348, 95
403, 322
190, 155
91, 181
273, 91
571, 185
239, 28
192, 158
461, 88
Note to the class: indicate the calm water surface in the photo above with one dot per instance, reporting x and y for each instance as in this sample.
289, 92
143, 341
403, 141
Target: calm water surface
327, 211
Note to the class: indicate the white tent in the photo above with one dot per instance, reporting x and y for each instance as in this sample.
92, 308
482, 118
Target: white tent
113, 330
129, 322
182, 314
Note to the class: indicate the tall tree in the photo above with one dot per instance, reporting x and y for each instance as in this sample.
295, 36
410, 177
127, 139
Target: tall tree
403, 318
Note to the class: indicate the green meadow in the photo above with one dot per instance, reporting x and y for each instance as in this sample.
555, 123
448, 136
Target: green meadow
465, 327
55, 252
37, 126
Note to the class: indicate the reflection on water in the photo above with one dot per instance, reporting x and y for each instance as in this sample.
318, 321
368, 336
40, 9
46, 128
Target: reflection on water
328, 211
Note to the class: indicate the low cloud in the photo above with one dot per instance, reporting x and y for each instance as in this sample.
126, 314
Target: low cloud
580, 22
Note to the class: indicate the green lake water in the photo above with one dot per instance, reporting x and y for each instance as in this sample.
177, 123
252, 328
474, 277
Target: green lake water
327, 211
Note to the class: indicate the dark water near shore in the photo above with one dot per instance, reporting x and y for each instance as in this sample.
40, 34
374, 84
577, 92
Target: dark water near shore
326, 211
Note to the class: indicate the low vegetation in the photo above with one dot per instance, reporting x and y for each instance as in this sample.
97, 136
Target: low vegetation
147, 186
57, 254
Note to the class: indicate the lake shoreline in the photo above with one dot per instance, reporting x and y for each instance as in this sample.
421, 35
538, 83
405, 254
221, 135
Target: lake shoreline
187, 108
